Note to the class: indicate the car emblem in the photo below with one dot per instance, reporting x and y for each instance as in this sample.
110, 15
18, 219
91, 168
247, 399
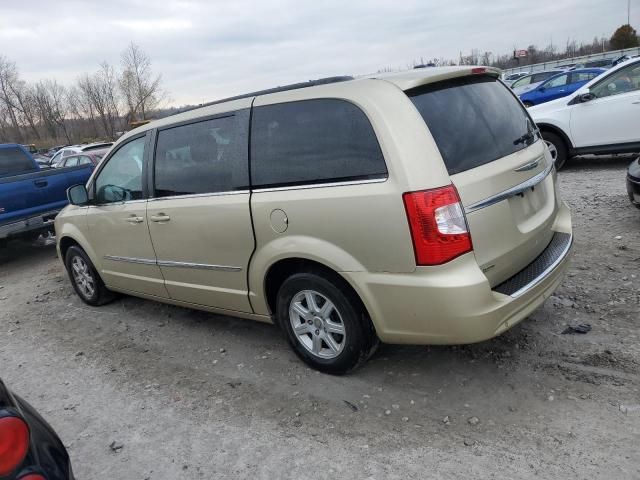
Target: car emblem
527, 166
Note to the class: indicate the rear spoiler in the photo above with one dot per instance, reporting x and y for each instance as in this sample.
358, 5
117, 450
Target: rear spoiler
419, 81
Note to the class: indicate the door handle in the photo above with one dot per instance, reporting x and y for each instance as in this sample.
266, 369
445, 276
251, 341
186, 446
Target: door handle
636, 103
135, 219
160, 218
40, 183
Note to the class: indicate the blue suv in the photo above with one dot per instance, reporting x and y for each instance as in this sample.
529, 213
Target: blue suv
560, 85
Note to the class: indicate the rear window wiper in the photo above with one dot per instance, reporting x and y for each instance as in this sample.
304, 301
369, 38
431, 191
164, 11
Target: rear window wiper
527, 137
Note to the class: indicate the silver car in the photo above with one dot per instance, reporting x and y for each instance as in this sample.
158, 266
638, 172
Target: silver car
525, 84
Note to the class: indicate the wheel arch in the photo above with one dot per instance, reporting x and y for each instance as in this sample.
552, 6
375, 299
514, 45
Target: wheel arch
71, 236
547, 127
282, 269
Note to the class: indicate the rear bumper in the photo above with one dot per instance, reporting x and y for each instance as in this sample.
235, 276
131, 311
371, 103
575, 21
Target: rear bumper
41, 221
454, 303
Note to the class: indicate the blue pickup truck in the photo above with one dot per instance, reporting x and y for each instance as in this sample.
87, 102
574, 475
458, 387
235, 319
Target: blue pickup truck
31, 197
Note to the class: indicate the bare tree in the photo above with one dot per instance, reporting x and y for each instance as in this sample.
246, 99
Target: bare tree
98, 98
141, 89
53, 107
26, 105
9, 77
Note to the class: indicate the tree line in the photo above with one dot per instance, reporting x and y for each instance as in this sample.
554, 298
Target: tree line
624, 37
98, 105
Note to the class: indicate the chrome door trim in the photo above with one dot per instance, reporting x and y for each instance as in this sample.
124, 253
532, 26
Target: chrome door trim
511, 192
141, 261
198, 266
169, 263
321, 185
127, 202
198, 195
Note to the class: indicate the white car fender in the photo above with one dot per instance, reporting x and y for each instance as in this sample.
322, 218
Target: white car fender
556, 114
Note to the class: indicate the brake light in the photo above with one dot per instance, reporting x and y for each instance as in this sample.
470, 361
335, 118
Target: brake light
478, 70
14, 443
32, 476
438, 225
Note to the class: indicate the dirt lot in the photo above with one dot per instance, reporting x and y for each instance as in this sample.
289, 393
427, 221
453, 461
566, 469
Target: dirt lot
192, 395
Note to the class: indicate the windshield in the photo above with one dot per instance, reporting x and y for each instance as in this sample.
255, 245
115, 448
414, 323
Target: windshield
474, 121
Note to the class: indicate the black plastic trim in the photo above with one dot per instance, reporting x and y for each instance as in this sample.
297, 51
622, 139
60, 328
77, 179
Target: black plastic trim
539, 268
631, 147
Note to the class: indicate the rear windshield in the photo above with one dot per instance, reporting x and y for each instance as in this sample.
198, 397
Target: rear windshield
474, 121
13, 161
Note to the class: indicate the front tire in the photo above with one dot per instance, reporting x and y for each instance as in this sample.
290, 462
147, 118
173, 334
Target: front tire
557, 148
85, 279
327, 326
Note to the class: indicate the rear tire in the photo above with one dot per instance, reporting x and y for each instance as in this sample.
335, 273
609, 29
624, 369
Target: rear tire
557, 148
327, 326
85, 279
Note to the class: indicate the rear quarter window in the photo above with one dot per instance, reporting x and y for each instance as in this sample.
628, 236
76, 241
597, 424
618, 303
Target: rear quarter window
474, 121
13, 161
313, 141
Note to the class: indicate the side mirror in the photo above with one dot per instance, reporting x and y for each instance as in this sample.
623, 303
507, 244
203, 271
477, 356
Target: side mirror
586, 97
77, 195
541, 89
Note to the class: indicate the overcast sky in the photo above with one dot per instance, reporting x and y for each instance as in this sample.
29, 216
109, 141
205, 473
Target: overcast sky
211, 49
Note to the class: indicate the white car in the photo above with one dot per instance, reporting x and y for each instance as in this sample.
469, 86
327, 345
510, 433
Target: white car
602, 117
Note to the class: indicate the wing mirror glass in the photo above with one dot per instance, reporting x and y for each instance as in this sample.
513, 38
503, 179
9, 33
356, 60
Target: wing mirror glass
586, 97
77, 195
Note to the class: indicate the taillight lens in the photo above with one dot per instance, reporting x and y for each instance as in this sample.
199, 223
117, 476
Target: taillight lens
32, 476
14, 443
438, 225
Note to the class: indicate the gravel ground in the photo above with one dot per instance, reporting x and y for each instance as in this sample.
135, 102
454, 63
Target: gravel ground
187, 394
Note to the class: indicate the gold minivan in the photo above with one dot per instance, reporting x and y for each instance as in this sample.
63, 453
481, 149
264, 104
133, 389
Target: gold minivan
410, 208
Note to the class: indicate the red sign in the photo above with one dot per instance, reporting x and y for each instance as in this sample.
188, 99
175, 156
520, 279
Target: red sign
520, 53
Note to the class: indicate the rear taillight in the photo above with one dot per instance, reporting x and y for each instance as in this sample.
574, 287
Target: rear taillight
14, 443
438, 225
32, 476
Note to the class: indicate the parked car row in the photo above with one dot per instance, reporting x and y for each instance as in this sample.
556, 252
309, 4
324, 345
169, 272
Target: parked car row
558, 85
57, 159
605, 63
601, 117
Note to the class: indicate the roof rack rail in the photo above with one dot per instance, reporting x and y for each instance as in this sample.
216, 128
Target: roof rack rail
284, 88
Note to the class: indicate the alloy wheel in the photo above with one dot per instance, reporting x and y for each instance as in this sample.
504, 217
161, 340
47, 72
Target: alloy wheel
317, 324
83, 277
